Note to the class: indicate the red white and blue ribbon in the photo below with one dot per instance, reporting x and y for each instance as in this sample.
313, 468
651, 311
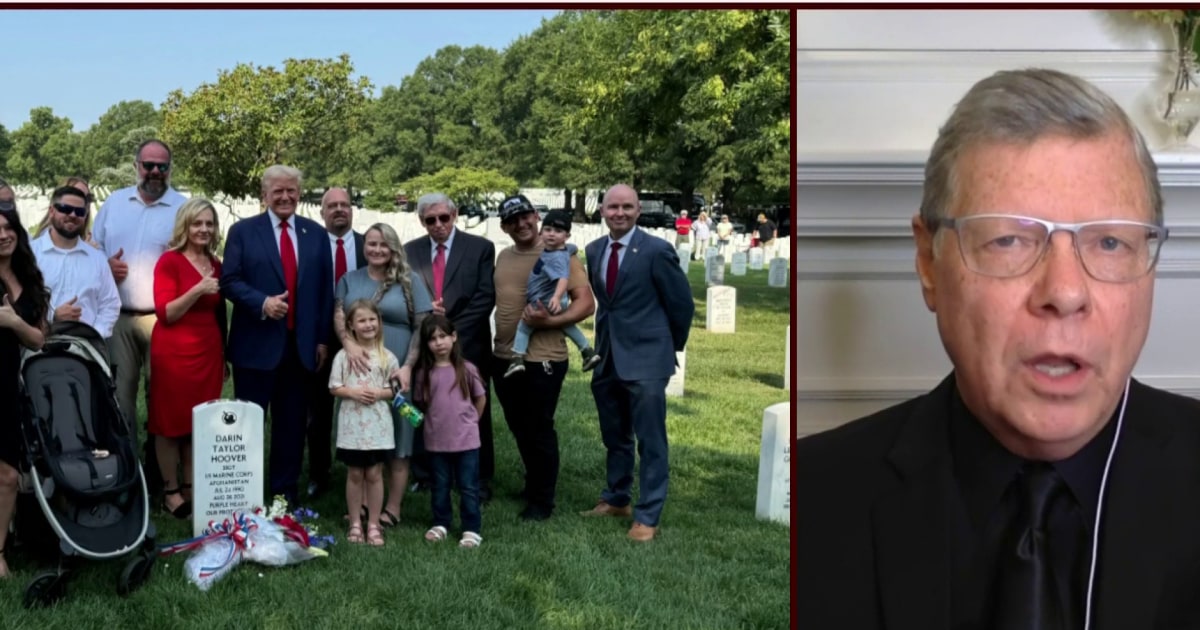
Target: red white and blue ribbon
236, 528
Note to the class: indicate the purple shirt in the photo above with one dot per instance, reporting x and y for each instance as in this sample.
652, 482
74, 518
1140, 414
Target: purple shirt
451, 421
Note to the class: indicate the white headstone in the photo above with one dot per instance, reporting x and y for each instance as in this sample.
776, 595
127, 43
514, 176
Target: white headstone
710, 252
675, 385
756, 258
721, 312
714, 270
787, 360
227, 460
777, 275
685, 256
738, 267
774, 465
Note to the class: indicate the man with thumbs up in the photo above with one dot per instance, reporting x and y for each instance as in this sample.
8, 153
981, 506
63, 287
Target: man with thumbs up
133, 228
279, 275
81, 285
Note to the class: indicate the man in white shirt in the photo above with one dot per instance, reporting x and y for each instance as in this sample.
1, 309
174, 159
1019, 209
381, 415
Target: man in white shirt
81, 285
133, 228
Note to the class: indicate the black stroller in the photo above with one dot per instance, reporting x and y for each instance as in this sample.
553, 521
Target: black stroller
81, 463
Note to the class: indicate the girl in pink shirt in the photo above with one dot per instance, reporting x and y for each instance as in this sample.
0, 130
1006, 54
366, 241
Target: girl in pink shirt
449, 390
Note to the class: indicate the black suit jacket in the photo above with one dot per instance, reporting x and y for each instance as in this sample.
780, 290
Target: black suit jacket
360, 261
874, 499
468, 289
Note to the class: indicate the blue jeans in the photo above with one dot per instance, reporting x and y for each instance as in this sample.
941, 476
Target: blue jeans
521, 342
447, 467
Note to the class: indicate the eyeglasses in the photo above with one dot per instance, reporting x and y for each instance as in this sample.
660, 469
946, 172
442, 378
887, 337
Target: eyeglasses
441, 218
1007, 246
78, 211
162, 167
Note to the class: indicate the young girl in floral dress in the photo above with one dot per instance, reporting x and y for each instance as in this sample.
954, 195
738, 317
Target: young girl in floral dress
365, 438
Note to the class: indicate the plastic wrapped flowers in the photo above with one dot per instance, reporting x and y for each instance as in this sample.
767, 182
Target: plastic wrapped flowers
274, 537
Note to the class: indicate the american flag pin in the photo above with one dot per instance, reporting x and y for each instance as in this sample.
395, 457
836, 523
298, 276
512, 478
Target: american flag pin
635, 250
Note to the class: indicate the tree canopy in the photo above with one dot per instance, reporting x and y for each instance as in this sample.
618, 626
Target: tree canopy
664, 100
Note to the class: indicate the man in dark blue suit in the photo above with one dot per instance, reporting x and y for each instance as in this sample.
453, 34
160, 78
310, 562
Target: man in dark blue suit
279, 276
643, 317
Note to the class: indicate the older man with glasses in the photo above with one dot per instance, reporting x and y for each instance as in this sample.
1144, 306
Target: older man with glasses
457, 268
1039, 485
133, 228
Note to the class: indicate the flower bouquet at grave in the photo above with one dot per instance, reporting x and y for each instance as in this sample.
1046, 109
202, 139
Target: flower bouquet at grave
273, 537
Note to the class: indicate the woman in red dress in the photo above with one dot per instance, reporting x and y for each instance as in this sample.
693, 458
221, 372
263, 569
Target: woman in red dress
187, 357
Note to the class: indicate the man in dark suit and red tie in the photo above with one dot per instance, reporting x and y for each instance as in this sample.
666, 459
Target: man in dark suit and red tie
457, 268
644, 310
346, 250
279, 276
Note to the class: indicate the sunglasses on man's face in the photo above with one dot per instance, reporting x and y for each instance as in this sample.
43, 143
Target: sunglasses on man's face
441, 218
78, 211
162, 167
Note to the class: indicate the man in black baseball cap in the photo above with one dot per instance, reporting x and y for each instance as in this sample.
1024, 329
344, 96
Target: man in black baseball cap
530, 396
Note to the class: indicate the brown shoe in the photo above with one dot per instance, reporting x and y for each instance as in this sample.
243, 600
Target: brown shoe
604, 509
641, 532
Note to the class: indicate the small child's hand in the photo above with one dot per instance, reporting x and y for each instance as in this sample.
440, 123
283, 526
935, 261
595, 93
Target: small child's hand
554, 306
365, 395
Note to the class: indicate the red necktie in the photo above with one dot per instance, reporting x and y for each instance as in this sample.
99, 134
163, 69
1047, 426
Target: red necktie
439, 271
339, 262
287, 255
614, 262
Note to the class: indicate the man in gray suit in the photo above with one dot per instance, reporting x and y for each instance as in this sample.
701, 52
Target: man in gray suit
643, 316
457, 268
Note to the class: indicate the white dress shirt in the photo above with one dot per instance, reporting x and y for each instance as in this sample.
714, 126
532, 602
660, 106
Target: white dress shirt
433, 245
277, 224
348, 245
80, 272
126, 223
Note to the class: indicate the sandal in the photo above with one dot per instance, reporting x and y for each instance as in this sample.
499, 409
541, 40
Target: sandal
374, 536
470, 540
355, 534
183, 511
388, 520
437, 533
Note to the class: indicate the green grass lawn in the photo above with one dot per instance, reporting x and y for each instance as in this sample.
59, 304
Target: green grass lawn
713, 564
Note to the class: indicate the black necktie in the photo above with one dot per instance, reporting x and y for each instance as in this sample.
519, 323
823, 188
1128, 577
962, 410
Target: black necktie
1027, 596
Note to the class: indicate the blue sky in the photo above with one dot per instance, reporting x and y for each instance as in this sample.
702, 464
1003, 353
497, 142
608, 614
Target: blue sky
81, 62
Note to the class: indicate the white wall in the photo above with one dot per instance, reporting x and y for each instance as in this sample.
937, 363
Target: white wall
872, 88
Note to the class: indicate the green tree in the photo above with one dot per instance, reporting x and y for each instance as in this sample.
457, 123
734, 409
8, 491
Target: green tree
253, 117
113, 139
44, 150
5, 146
464, 185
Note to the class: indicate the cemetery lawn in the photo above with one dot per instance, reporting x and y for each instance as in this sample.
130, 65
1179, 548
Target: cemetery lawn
713, 565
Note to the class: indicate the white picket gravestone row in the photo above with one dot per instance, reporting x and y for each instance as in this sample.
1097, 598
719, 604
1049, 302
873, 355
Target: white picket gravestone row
774, 465
756, 258
675, 384
777, 275
227, 456
721, 313
738, 267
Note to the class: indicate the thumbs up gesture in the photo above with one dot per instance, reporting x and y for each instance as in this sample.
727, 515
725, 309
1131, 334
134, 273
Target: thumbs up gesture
8, 315
119, 268
68, 311
276, 306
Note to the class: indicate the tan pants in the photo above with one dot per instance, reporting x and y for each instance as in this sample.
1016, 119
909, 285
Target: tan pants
129, 350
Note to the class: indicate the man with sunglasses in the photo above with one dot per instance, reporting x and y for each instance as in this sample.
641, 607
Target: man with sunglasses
1039, 485
132, 228
457, 268
77, 275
